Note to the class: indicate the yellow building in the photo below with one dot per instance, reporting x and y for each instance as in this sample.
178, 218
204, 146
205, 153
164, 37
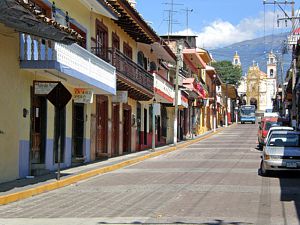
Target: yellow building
108, 74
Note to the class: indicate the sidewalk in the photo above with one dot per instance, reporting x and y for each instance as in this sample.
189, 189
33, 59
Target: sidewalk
25, 188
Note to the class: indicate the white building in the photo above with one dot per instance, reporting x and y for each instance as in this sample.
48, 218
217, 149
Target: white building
259, 87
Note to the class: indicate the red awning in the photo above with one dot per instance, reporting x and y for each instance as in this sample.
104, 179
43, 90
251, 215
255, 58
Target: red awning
193, 86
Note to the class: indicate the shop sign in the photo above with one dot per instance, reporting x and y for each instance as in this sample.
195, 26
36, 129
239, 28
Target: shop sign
120, 97
44, 87
156, 109
83, 95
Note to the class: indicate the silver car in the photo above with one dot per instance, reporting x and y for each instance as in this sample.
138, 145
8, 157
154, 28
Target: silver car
281, 152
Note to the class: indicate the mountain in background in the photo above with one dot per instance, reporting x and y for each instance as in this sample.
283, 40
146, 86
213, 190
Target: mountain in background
257, 50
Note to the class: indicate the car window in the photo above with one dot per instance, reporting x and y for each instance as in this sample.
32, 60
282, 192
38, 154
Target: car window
270, 124
284, 140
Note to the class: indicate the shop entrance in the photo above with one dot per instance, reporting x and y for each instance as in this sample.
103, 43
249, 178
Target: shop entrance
38, 128
101, 125
126, 129
78, 130
115, 129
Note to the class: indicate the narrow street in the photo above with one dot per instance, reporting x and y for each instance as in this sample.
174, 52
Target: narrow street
214, 181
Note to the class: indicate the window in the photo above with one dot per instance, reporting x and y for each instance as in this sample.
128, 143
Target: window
236, 61
271, 72
153, 66
127, 50
140, 58
115, 41
101, 40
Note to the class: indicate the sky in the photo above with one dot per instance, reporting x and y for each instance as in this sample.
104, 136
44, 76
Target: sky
217, 23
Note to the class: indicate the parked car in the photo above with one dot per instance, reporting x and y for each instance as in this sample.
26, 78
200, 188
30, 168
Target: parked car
276, 127
281, 152
264, 125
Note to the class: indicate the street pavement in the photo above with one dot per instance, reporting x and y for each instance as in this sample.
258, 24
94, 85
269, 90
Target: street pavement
214, 181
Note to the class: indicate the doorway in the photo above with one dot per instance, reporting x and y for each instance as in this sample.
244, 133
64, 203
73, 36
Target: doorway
145, 126
101, 125
127, 129
38, 128
115, 130
78, 130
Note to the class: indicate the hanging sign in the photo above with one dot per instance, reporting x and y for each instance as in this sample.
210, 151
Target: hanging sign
120, 97
156, 109
83, 95
44, 87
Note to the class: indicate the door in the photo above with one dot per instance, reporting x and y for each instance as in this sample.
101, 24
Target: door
145, 126
101, 125
127, 129
138, 120
158, 127
78, 130
115, 130
38, 128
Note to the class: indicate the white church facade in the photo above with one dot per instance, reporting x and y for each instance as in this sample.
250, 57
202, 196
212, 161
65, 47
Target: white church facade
259, 88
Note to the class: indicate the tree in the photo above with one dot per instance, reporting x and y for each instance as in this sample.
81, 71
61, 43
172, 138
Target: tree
228, 72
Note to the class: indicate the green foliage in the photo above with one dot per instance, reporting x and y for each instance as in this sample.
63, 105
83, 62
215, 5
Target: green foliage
228, 72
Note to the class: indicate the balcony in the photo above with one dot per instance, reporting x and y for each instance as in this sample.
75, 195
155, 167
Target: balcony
70, 63
130, 76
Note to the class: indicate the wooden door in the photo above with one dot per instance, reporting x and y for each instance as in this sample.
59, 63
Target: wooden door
101, 125
38, 128
115, 130
127, 129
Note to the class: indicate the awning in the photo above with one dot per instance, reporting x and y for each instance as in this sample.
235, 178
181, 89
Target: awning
193, 59
195, 89
229, 90
211, 71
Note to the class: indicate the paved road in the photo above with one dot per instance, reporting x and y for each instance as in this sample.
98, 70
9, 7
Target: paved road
214, 181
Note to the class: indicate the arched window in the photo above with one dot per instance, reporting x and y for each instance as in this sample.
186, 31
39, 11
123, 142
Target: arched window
153, 66
140, 58
236, 61
271, 72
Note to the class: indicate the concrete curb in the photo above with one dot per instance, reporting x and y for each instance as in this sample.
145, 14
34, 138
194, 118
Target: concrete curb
6, 199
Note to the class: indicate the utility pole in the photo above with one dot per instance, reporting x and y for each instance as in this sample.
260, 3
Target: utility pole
179, 46
170, 17
292, 18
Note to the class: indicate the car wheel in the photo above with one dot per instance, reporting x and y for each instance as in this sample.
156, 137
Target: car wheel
263, 171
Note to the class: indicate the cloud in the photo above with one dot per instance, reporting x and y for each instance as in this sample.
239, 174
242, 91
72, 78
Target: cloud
221, 33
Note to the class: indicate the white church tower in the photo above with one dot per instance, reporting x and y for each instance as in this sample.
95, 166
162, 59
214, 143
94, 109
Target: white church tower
236, 60
272, 65
271, 79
